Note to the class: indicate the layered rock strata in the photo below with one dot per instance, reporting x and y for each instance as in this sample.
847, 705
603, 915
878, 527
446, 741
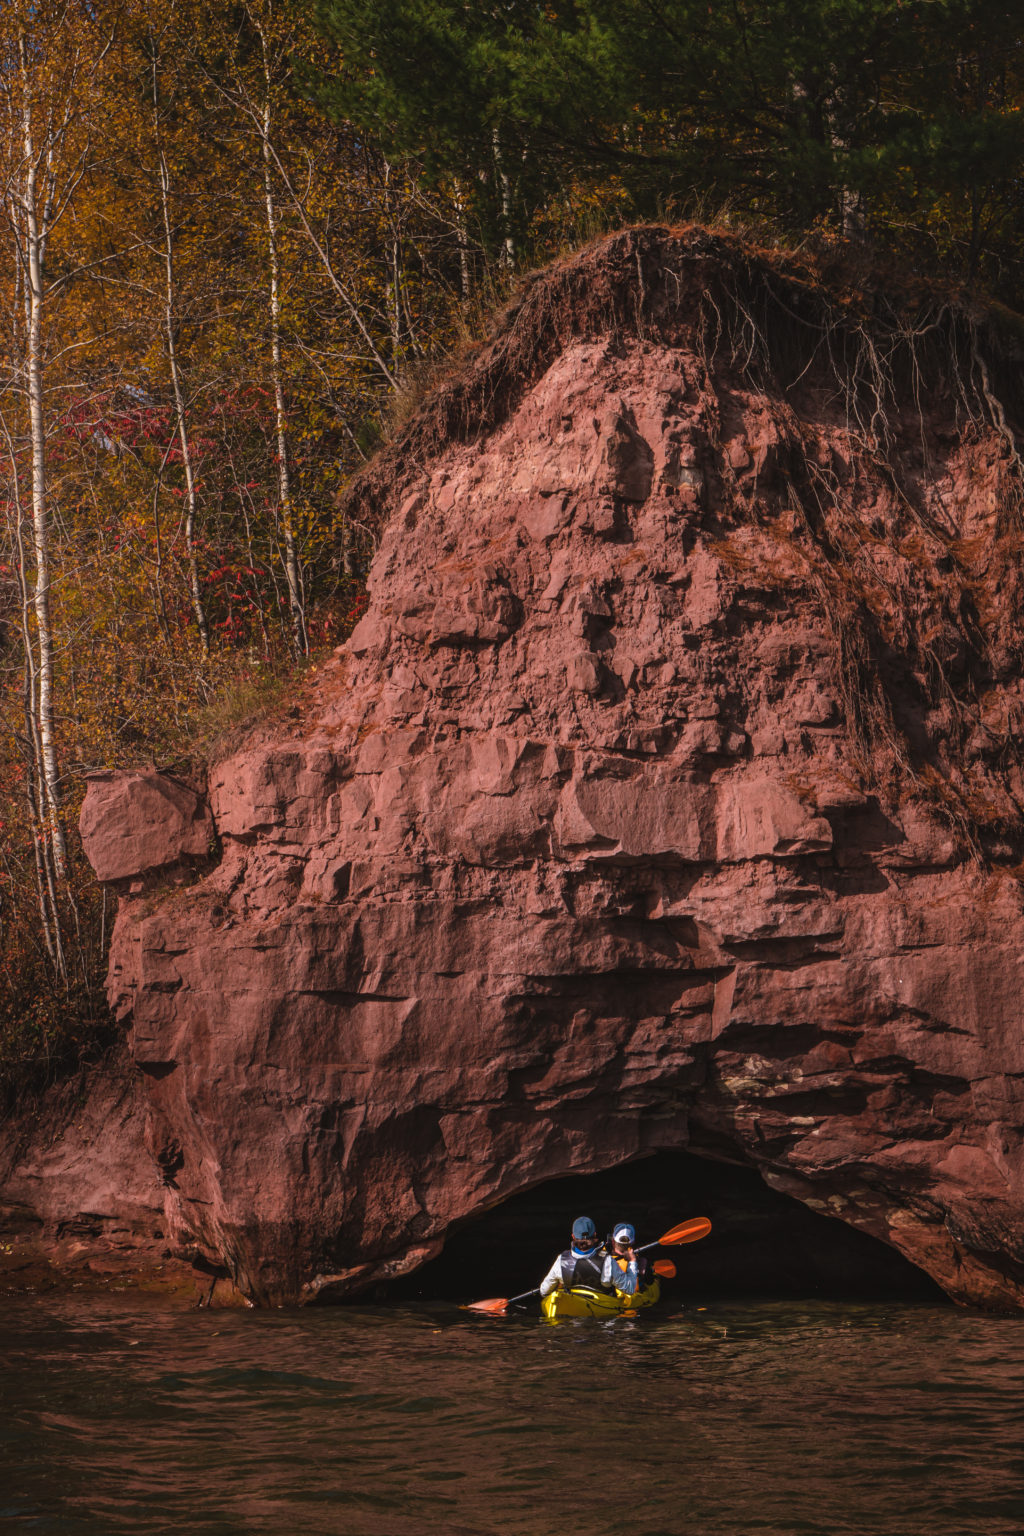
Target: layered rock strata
668, 795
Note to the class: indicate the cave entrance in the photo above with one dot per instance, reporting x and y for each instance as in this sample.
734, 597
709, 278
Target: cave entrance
763, 1244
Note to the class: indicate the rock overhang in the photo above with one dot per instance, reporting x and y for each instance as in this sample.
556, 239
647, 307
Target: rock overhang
637, 813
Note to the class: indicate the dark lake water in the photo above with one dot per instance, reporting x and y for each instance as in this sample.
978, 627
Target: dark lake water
776, 1418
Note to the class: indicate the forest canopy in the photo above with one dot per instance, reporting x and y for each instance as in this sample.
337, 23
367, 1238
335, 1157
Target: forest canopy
236, 238
897, 120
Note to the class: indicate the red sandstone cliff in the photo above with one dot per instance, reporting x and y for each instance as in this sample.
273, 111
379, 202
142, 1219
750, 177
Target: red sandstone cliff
668, 795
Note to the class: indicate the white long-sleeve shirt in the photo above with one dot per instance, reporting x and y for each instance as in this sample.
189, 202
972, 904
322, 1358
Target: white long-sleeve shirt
626, 1280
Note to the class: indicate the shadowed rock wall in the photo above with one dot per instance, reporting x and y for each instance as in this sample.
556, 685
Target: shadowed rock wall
667, 796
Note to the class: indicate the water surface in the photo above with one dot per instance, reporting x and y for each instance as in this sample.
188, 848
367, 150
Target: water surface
786, 1418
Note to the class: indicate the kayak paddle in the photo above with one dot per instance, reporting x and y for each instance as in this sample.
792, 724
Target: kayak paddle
498, 1304
686, 1232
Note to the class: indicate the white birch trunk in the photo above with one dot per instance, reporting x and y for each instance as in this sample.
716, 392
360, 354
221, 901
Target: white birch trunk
463, 239
508, 249
34, 233
394, 277
35, 787
181, 417
179, 405
292, 570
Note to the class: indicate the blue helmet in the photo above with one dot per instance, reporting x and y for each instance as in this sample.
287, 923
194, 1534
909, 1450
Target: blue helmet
623, 1233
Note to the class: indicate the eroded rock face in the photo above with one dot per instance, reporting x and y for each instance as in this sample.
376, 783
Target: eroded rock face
666, 796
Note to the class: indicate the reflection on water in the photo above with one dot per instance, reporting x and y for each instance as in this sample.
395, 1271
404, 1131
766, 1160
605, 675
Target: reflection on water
776, 1419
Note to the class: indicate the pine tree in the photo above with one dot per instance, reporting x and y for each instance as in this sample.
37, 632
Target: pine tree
862, 116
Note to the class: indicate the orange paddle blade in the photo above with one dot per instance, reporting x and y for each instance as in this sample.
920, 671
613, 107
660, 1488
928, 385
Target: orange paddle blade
493, 1307
687, 1231
665, 1268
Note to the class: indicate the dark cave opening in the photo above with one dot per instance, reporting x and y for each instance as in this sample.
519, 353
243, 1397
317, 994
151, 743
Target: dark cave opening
762, 1244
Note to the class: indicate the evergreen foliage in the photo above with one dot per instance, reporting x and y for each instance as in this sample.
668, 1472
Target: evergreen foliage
897, 120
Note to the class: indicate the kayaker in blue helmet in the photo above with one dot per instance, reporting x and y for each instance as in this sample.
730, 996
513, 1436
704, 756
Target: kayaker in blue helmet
625, 1269
584, 1262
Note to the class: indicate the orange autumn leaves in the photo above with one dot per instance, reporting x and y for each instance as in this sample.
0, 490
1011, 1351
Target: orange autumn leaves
209, 290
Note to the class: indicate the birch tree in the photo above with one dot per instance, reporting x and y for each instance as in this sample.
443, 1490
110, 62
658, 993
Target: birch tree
170, 328
293, 574
52, 60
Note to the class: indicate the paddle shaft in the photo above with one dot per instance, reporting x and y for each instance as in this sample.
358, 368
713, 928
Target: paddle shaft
685, 1232
536, 1290
524, 1297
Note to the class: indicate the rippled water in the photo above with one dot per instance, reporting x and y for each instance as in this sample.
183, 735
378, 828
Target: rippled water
779, 1418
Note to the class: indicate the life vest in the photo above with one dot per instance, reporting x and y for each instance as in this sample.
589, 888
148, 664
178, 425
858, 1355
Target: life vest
643, 1270
583, 1270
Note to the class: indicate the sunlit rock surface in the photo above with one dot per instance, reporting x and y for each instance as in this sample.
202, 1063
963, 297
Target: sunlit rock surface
143, 824
667, 796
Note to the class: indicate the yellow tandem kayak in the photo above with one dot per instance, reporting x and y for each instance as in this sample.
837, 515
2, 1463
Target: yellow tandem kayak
581, 1302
